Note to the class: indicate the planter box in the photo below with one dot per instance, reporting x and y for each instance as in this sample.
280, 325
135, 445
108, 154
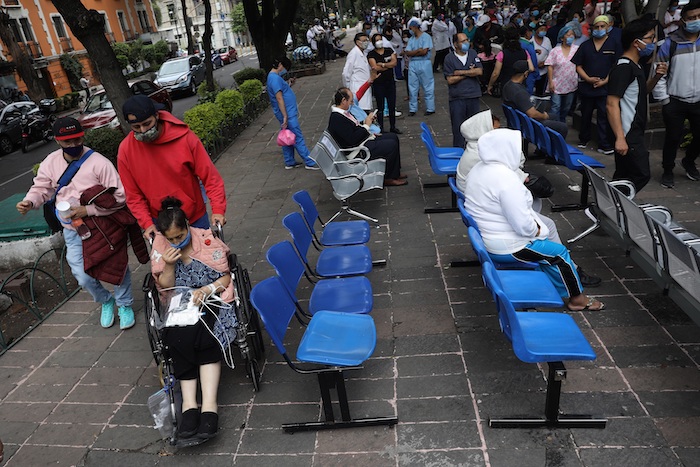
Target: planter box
310, 70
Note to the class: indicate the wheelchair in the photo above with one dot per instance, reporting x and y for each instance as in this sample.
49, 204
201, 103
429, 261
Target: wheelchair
249, 339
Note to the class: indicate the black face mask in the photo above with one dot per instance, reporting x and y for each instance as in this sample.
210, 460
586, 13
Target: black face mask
74, 151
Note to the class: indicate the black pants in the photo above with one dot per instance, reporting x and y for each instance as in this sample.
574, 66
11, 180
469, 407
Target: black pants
381, 91
588, 105
541, 85
674, 114
633, 166
386, 147
460, 110
440, 58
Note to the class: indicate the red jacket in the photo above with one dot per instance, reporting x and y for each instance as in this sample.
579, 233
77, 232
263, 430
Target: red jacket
172, 165
105, 254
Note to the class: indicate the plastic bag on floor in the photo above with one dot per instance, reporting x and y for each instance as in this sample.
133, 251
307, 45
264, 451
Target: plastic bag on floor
159, 405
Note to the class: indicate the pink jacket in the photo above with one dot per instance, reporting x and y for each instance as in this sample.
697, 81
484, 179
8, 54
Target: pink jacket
96, 170
205, 248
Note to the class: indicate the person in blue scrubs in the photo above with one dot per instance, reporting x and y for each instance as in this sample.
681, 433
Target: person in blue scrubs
420, 70
284, 106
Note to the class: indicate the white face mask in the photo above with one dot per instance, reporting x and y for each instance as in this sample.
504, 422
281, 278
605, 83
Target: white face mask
362, 45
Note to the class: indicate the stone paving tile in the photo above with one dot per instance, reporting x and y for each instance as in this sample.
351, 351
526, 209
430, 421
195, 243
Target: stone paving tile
680, 431
638, 431
291, 460
664, 378
127, 438
98, 393
689, 457
419, 436
436, 409
47, 455
68, 412
630, 456
65, 434
383, 459
40, 393
17, 432
671, 403
274, 441
112, 459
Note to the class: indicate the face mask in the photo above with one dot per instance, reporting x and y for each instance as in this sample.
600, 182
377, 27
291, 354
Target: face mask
647, 50
405, 40
149, 135
283, 73
185, 241
74, 151
693, 27
363, 45
378, 44
465, 47
542, 33
535, 13
569, 40
598, 33
576, 19
609, 29
532, 25
519, 22
673, 9
380, 21
410, 31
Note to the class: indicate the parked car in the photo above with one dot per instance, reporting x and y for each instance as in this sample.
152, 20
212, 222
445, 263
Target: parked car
228, 54
181, 75
10, 124
98, 111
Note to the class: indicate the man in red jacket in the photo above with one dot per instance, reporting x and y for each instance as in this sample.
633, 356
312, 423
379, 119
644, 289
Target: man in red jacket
162, 157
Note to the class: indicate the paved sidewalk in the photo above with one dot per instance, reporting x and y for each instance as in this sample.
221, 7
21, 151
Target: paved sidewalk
72, 393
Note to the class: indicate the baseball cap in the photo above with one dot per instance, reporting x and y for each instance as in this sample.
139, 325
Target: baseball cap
483, 19
520, 66
67, 128
141, 107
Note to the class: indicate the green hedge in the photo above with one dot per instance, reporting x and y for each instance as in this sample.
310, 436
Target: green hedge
105, 141
205, 120
250, 90
250, 73
204, 95
230, 102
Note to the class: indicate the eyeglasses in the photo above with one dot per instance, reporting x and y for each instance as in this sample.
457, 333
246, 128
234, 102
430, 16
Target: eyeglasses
648, 38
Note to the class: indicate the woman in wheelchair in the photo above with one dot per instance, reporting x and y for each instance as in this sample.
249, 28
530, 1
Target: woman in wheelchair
188, 257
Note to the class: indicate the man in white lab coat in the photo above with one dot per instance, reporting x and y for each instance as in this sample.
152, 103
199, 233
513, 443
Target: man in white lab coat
356, 70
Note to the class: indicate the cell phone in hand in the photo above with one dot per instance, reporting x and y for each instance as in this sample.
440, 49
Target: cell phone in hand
374, 113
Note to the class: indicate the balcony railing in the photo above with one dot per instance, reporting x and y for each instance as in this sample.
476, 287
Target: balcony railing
31, 48
11, 3
128, 35
66, 44
110, 37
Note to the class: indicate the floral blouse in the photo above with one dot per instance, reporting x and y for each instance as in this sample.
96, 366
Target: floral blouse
563, 71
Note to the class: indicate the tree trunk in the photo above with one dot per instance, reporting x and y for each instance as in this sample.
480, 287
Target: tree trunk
88, 27
22, 61
629, 12
206, 43
188, 30
269, 27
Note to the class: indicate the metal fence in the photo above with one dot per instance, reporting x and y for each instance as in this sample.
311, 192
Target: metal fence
230, 130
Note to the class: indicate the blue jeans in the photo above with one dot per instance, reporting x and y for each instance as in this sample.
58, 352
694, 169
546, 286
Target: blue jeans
420, 74
554, 261
561, 104
299, 144
74, 256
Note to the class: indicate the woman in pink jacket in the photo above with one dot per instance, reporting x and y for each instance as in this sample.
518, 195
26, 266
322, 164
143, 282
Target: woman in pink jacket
187, 257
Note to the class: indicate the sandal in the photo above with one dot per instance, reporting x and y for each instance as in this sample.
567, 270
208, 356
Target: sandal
589, 306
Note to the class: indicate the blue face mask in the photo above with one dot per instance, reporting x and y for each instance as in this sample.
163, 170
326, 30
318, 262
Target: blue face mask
283, 73
569, 40
693, 27
535, 13
673, 9
410, 31
542, 33
598, 33
532, 25
647, 50
609, 29
465, 47
74, 151
519, 22
185, 241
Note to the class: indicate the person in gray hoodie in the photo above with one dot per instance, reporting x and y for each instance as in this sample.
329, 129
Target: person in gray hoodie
512, 231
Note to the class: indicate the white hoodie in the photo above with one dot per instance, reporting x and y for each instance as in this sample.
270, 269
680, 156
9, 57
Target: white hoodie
472, 129
496, 197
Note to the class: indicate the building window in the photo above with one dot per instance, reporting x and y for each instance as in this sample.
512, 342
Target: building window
122, 22
26, 29
171, 12
143, 21
58, 24
15, 30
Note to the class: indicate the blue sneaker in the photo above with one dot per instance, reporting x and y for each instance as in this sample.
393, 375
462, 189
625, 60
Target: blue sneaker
107, 318
126, 317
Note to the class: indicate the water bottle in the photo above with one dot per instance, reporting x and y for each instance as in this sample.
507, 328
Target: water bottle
82, 229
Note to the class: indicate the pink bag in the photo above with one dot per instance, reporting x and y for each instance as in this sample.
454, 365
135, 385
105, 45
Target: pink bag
286, 138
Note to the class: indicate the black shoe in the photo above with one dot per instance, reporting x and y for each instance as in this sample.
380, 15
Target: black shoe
427, 112
189, 425
586, 280
208, 425
538, 154
397, 131
411, 114
667, 180
690, 170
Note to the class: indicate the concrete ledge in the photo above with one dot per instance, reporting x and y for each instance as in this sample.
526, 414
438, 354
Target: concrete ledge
20, 253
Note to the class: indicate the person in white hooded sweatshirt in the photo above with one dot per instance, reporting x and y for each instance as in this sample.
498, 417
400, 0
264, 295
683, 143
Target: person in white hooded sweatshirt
512, 231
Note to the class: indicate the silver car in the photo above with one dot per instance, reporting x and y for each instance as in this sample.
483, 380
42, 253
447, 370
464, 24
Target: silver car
181, 75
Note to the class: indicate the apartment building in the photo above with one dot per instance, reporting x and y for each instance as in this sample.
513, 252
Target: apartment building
44, 36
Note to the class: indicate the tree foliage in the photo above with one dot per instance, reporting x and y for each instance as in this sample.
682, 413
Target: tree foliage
239, 25
73, 69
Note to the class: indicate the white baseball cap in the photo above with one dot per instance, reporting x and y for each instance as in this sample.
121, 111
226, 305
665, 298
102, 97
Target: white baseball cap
483, 19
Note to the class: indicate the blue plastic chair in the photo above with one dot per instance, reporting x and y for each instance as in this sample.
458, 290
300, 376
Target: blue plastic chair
511, 119
540, 337
573, 159
452, 182
351, 260
335, 341
526, 127
440, 152
526, 289
441, 165
347, 294
333, 233
542, 137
